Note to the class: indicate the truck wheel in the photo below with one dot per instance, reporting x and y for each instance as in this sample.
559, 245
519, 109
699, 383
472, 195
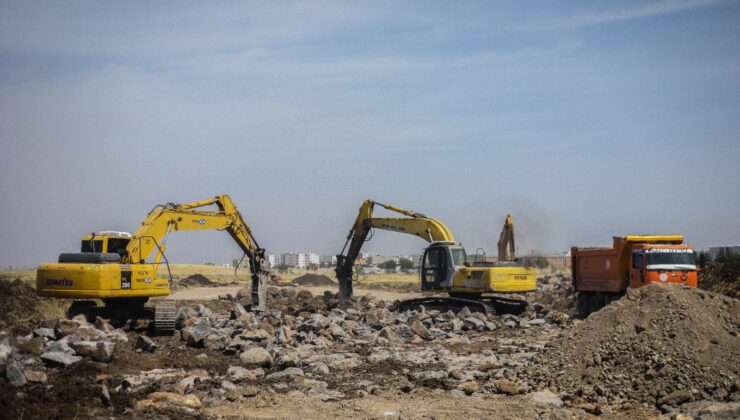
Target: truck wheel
594, 303
583, 309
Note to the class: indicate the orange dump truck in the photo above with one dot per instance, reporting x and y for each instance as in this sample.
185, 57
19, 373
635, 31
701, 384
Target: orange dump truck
601, 275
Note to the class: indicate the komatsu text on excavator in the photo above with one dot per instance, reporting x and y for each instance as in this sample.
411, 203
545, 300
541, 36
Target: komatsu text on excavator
443, 265
113, 266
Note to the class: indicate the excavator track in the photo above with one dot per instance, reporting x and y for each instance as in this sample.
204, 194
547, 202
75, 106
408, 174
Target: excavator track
164, 317
505, 305
444, 304
489, 305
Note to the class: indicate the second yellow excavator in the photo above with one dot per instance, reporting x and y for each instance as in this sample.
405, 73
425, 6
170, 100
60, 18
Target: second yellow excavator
444, 265
113, 267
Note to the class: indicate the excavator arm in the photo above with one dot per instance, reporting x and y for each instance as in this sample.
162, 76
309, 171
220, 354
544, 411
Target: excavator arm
153, 232
417, 224
506, 246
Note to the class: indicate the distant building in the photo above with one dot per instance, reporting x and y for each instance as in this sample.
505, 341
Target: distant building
328, 260
314, 259
274, 260
716, 251
291, 260
300, 260
416, 258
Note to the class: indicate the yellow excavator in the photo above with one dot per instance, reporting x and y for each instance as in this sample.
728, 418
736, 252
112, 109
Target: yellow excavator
444, 266
113, 267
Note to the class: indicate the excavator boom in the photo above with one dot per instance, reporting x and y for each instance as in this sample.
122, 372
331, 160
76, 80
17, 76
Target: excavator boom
417, 224
506, 246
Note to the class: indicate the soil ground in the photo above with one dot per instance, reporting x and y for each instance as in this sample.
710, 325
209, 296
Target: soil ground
75, 392
421, 405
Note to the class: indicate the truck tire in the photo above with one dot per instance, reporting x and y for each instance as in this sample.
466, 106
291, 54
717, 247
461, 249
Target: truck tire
594, 302
583, 307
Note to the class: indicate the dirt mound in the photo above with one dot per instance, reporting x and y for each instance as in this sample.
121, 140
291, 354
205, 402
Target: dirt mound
313, 280
661, 344
19, 306
721, 278
196, 280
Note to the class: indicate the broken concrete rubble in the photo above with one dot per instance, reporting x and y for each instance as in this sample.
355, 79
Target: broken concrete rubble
313, 349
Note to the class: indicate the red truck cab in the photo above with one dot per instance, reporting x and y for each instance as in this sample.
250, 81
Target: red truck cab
601, 275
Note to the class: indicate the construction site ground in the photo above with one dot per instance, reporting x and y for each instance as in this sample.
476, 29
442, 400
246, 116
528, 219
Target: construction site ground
661, 351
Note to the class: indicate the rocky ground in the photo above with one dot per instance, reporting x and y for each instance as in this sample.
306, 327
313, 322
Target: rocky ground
309, 357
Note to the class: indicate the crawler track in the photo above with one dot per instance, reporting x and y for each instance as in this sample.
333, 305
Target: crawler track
486, 304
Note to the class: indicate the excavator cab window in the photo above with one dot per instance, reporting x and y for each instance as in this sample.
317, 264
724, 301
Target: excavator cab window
96, 245
434, 267
118, 245
458, 257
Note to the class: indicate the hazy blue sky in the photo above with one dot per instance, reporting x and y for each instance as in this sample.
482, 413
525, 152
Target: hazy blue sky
583, 119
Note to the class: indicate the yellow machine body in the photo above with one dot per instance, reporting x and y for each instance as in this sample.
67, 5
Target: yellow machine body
99, 281
494, 280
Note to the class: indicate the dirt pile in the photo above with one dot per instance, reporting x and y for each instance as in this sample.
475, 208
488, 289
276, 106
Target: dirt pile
313, 280
661, 344
19, 306
556, 292
196, 280
721, 278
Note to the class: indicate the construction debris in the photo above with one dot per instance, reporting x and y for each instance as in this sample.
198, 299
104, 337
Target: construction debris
662, 348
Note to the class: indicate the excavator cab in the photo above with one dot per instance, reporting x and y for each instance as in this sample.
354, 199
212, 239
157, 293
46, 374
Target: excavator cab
438, 265
106, 242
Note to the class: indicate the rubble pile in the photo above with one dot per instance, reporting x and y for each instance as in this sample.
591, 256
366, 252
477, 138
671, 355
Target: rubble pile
659, 346
309, 344
57, 344
304, 345
556, 292
662, 345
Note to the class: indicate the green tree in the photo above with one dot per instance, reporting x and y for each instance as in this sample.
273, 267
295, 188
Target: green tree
389, 266
406, 264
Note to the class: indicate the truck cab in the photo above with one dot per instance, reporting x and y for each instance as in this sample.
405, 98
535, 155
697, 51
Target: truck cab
601, 275
662, 264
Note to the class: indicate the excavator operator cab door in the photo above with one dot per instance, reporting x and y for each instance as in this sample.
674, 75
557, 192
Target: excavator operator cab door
437, 268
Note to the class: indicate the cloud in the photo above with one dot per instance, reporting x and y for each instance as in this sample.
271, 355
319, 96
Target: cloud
640, 11
148, 31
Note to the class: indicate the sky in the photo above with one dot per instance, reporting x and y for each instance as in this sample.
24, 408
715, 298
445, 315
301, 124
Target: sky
583, 119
